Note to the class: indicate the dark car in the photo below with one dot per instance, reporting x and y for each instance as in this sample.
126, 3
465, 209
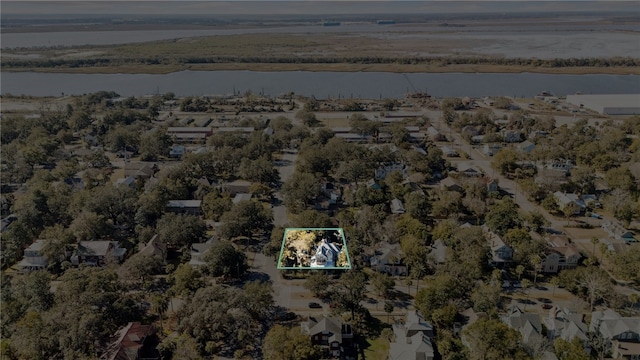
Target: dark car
315, 305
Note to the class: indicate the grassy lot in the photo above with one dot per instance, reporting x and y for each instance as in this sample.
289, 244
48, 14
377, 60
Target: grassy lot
377, 349
335, 122
263, 52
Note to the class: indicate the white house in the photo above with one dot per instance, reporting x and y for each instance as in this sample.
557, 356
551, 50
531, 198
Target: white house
397, 207
33, 257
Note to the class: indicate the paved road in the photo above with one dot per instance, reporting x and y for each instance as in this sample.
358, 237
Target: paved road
280, 212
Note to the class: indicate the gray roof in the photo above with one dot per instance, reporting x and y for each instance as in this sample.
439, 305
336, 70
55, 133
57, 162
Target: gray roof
96, 248
326, 324
416, 347
241, 197
184, 203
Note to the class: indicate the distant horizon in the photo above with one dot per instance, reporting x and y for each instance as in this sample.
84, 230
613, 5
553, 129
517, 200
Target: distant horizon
13, 9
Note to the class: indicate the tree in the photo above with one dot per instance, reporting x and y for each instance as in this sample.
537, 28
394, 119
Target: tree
491, 339
215, 204
442, 289
569, 350
186, 280
140, 268
351, 290
597, 284
260, 170
526, 284
486, 297
388, 308
382, 283
299, 190
503, 216
159, 304
282, 343
223, 259
505, 161
318, 283
180, 230
308, 118
244, 219
599, 344
550, 204
311, 219
569, 210
626, 265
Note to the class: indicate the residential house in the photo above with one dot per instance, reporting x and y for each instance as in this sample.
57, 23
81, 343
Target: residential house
34, 258
98, 253
245, 130
468, 170
397, 207
4, 223
567, 325
571, 199
177, 151
190, 134
511, 136
188, 207
438, 252
326, 254
560, 254
501, 253
241, 197
330, 191
139, 169
561, 165
491, 148
451, 184
526, 147
469, 131
412, 339
153, 248
527, 324
382, 171
330, 333
635, 171
435, 135
132, 342
198, 252
622, 332
449, 151
492, 184
591, 201
128, 181
618, 232
373, 184
388, 259
237, 186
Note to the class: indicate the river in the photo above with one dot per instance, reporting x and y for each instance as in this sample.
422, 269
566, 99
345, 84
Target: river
369, 85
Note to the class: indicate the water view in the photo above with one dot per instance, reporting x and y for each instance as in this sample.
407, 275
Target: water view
372, 85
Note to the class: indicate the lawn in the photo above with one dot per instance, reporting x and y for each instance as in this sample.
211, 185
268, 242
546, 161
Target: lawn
377, 349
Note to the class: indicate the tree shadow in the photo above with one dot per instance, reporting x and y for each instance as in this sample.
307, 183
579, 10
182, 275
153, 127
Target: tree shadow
526, 301
257, 276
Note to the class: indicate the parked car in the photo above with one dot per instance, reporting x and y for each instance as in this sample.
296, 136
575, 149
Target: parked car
315, 305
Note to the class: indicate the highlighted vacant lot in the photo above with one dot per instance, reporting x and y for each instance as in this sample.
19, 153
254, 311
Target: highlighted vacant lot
314, 248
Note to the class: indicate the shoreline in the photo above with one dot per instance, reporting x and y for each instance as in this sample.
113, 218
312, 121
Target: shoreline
389, 68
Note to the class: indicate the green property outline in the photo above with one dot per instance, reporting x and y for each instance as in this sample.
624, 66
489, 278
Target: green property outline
344, 244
